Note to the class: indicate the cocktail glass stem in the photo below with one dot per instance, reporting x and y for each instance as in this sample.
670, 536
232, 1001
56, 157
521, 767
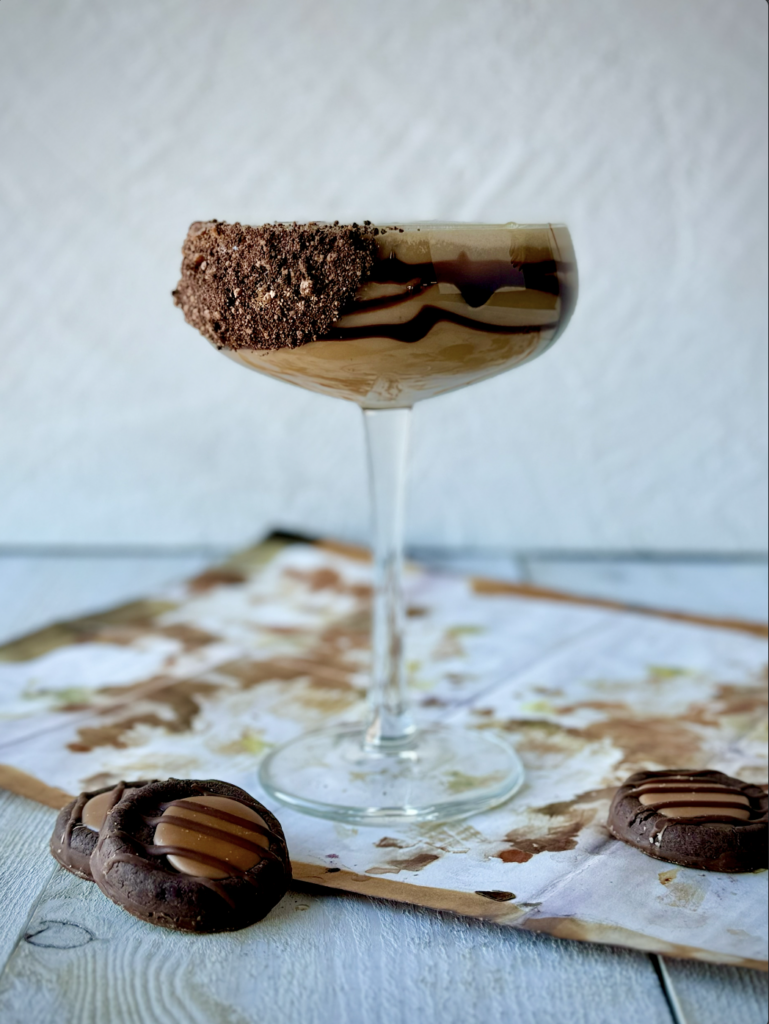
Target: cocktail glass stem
390, 724
382, 770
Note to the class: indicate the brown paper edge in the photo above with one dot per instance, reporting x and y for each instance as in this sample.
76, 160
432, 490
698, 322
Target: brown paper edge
614, 935
18, 782
491, 587
465, 904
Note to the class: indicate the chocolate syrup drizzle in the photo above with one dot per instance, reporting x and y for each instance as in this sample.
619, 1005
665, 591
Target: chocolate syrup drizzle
203, 858
75, 816
477, 281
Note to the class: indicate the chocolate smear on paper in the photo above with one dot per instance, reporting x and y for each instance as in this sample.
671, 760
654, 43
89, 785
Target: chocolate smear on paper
415, 862
524, 846
218, 577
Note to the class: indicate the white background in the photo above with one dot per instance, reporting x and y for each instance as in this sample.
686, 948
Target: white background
641, 123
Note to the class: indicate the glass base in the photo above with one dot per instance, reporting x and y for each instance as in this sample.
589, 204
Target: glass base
440, 774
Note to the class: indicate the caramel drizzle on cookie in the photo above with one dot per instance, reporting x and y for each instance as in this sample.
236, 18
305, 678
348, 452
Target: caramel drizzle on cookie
697, 800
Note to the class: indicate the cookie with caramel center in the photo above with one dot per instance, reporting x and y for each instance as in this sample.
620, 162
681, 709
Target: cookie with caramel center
200, 856
699, 819
77, 827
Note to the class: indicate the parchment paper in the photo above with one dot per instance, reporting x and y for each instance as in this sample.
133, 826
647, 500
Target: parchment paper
201, 680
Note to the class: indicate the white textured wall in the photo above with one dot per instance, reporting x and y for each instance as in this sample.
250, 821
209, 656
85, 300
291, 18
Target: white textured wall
641, 123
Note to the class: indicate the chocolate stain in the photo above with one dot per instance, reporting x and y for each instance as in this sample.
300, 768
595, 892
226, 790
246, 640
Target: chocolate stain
642, 741
558, 839
415, 862
682, 895
388, 841
124, 635
318, 699
514, 856
217, 577
119, 635
131, 692
139, 615
190, 637
328, 666
596, 705
179, 697
562, 808
666, 742
326, 670
495, 894
250, 674
747, 702
540, 736
329, 579
415, 611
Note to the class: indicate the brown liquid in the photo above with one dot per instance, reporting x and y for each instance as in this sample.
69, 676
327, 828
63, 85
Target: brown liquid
445, 306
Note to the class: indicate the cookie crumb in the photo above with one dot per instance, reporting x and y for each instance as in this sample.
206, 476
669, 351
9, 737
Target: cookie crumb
273, 286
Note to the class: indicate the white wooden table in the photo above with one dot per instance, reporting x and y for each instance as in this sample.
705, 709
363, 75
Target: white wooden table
69, 955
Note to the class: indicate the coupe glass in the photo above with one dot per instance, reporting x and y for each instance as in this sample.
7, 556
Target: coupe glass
446, 305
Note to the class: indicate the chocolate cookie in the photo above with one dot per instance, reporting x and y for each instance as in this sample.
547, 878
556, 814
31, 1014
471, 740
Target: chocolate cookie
190, 855
77, 827
699, 819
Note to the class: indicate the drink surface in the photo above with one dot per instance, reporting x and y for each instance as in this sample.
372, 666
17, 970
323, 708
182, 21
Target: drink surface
445, 306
